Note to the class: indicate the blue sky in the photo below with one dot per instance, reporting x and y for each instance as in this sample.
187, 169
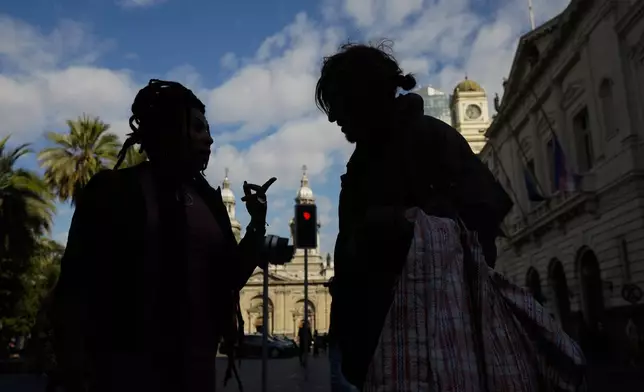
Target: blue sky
253, 63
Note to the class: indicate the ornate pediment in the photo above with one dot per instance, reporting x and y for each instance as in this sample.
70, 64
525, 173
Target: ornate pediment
531, 49
572, 92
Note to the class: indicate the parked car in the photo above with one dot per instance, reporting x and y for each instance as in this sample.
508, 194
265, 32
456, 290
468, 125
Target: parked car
251, 347
286, 340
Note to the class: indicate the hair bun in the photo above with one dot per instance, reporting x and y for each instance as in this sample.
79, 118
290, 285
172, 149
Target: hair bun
407, 82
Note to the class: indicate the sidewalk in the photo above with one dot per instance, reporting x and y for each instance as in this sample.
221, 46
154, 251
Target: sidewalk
284, 375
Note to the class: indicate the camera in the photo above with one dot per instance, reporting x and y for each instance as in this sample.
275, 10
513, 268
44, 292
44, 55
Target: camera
276, 250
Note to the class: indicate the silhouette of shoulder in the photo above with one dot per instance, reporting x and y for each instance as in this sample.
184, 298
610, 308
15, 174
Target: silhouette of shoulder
98, 187
446, 136
105, 183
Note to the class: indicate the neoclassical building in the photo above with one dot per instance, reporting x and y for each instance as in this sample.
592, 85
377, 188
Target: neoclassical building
567, 144
286, 282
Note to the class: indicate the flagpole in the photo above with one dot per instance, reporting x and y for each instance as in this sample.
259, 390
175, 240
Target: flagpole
525, 158
531, 11
505, 173
552, 131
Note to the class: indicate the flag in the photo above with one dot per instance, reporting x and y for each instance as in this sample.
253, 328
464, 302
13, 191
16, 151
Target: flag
531, 186
565, 179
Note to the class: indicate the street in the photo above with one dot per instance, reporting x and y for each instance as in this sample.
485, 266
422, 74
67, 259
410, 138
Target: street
284, 375
287, 375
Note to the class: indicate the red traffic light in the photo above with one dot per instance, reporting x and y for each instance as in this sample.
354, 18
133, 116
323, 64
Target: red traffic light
306, 215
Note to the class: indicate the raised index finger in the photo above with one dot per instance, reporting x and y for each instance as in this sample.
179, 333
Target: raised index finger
268, 184
246, 188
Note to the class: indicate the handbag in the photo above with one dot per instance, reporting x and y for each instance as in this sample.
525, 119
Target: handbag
457, 325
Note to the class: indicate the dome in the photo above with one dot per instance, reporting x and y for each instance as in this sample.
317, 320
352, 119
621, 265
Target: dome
468, 86
305, 193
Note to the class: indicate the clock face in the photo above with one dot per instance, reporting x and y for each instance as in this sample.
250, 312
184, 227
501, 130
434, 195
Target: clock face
473, 112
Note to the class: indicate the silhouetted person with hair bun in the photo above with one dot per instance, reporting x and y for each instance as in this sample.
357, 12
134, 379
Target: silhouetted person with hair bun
151, 275
402, 159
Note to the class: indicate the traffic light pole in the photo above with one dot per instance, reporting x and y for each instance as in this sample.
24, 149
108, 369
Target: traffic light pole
265, 332
306, 314
306, 238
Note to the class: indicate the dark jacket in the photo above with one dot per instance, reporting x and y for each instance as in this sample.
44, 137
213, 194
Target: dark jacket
425, 163
102, 305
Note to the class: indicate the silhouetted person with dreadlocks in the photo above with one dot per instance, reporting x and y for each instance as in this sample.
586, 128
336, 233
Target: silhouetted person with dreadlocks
402, 159
152, 272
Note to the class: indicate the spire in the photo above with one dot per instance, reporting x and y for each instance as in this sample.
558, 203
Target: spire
305, 179
305, 193
226, 183
228, 196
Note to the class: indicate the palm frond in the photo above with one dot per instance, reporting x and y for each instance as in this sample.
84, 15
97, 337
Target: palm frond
77, 155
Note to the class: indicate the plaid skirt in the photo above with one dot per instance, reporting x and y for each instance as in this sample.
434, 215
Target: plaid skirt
457, 325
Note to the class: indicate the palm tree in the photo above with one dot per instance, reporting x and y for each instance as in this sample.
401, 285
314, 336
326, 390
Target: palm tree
26, 204
133, 157
87, 149
26, 213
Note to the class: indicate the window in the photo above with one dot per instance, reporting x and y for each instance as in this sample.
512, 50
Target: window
550, 159
608, 107
584, 142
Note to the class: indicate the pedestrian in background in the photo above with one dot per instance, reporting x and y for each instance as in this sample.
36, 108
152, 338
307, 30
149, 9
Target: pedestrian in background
305, 340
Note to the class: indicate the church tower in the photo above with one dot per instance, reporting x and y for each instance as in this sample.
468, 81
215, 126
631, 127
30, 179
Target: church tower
228, 197
470, 113
316, 260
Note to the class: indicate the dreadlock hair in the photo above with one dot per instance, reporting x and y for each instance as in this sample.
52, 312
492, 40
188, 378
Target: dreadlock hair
159, 106
360, 67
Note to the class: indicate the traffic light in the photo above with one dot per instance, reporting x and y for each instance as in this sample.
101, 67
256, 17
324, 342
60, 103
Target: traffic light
306, 226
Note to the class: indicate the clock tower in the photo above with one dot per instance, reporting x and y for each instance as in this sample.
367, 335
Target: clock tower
470, 113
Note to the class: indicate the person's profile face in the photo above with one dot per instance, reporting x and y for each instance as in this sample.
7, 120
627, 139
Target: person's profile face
199, 141
349, 108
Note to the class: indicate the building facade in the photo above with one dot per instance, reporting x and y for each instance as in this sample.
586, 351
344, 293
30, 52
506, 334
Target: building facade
436, 104
567, 144
286, 282
470, 113
466, 110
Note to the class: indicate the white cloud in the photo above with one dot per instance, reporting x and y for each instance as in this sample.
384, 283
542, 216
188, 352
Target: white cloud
277, 84
310, 141
455, 34
48, 77
187, 75
139, 3
229, 61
